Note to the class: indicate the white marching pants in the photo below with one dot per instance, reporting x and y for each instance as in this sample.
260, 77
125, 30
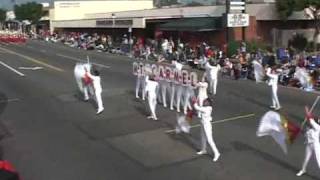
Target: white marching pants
213, 85
308, 154
164, 89
201, 100
152, 101
172, 94
99, 100
206, 136
179, 93
188, 93
275, 100
140, 84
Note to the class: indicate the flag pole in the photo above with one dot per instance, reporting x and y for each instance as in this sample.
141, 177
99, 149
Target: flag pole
88, 60
312, 107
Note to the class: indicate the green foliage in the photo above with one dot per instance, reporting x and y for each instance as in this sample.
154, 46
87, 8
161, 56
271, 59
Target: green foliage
299, 42
233, 47
31, 11
286, 7
3, 15
253, 46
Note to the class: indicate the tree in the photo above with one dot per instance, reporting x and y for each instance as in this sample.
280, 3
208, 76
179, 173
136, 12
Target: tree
3, 16
311, 10
31, 11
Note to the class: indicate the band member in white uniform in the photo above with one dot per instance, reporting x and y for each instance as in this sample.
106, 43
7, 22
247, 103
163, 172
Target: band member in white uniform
202, 93
206, 129
312, 142
96, 81
273, 82
140, 83
212, 76
188, 94
165, 83
176, 88
151, 90
258, 71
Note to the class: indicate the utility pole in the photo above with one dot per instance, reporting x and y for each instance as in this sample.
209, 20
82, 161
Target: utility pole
244, 28
227, 28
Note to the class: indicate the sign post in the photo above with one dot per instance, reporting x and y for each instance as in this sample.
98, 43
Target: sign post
236, 16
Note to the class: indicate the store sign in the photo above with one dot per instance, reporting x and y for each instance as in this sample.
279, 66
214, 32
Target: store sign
238, 20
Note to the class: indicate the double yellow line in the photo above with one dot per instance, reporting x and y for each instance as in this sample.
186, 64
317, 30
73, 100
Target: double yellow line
32, 60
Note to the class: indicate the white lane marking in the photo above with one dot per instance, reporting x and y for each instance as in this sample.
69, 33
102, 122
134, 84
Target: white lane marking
32, 59
79, 60
31, 68
11, 68
217, 122
9, 100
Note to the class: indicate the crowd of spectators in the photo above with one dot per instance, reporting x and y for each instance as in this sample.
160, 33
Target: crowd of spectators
238, 66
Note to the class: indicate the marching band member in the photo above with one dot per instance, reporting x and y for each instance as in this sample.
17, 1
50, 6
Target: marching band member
188, 93
258, 70
140, 83
212, 76
151, 90
96, 81
206, 128
176, 88
202, 93
273, 82
312, 142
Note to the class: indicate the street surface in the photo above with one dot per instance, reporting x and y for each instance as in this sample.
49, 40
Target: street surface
49, 133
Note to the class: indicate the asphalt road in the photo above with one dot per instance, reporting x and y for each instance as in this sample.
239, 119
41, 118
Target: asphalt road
49, 133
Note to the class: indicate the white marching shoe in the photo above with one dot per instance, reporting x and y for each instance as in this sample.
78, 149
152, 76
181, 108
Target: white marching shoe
100, 110
216, 157
202, 152
301, 172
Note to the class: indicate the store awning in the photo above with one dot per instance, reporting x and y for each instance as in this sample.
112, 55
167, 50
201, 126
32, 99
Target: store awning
193, 24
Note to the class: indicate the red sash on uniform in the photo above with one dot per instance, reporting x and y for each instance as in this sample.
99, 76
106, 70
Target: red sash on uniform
86, 79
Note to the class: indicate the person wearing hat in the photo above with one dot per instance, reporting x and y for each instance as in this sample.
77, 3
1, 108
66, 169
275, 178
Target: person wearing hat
312, 135
273, 82
96, 81
151, 90
206, 128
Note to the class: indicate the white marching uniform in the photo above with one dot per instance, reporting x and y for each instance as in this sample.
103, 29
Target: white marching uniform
96, 81
202, 94
151, 90
273, 82
176, 89
79, 73
258, 71
164, 88
140, 84
206, 131
212, 76
312, 145
188, 93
